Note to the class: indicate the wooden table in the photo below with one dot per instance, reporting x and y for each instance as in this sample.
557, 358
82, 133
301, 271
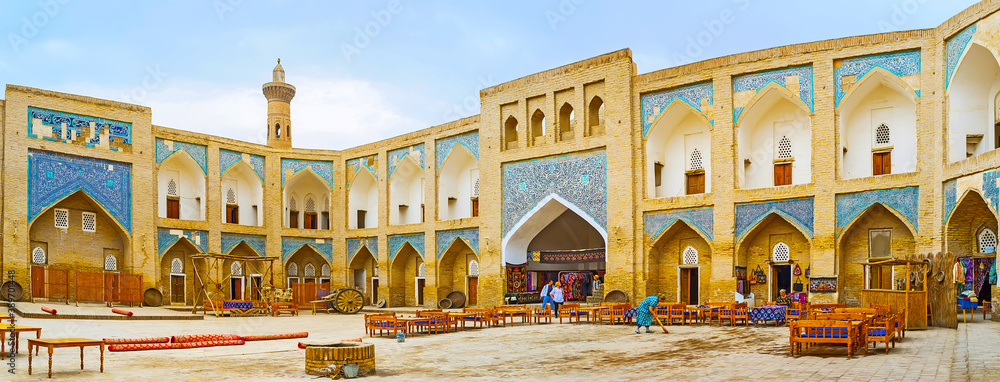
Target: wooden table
591, 312
18, 329
53, 343
412, 322
705, 314
7, 317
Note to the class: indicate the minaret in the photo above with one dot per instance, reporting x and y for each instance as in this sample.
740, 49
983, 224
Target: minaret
279, 118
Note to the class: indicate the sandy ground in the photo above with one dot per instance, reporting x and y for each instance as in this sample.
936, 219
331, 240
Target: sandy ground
536, 352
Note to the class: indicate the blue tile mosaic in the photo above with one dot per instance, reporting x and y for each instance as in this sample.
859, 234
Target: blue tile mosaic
198, 153
757, 81
900, 64
580, 179
950, 198
444, 146
655, 103
355, 245
445, 238
990, 191
77, 125
701, 219
228, 158
396, 242
258, 243
323, 169
356, 164
904, 200
416, 152
291, 244
53, 176
954, 48
166, 238
797, 211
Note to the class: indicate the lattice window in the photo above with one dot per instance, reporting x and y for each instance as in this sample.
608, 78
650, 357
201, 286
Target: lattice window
781, 253
292, 205
310, 270
236, 268
62, 218
695, 162
475, 188
310, 205
176, 266
326, 204
882, 135
293, 269
784, 148
421, 270
172, 188
690, 256
111, 263
473, 268
231, 196
89, 221
38, 255
325, 270
987, 241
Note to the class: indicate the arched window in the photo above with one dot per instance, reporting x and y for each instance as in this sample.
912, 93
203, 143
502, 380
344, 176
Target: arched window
987, 241
473, 268
310, 270
236, 268
176, 266
780, 253
231, 196
310, 205
510, 133
171, 188
325, 270
596, 112
277, 130
882, 135
784, 148
695, 160
421, 270
538, 124
690, 256
566, 119
110, 263
38, 255
293, 269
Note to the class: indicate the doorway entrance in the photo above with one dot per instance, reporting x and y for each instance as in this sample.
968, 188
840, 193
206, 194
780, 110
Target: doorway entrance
374, 290
420, 291
689, 286
781, 276
236, 288
473, 290
256, 282
177, 289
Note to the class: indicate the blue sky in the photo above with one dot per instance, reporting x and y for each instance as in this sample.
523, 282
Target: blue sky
369, 70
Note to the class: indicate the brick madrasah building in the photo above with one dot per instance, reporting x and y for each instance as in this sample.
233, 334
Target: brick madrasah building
817, 155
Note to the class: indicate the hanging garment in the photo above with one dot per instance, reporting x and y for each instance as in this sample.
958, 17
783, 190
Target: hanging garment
958, 272
992, 276
982, 271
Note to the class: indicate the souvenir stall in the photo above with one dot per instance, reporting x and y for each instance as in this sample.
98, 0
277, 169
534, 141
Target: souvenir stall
907, 295
580, 272
974, 276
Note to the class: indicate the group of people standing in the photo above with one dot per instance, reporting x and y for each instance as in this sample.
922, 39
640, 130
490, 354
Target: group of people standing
552, 294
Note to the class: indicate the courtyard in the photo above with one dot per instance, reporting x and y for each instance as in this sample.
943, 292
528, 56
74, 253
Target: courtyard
522, 352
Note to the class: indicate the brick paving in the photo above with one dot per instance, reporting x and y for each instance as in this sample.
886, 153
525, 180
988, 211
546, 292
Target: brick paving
536, 352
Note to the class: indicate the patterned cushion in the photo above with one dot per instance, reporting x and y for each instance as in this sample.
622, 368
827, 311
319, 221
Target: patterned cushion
877, 332
824, 335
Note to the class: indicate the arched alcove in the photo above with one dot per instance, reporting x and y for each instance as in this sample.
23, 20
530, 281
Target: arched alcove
242, 195
567, 120
406, 193
668, 273
678, 153
67, 243
453, 270
775, 140
180, 188
971, 93
405, 283
457, 179
362, 201
757, 248
303, 187
878, 127
877, 233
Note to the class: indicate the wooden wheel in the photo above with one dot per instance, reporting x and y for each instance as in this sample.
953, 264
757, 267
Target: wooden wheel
348, 301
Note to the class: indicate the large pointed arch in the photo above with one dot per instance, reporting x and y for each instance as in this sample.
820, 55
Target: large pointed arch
515, 243
248, 191
453, 268
772, 113
880, 100
404, 271
972, 214
181, 179
303, 184
457, 177
90, 199
879, 232
178, 287
664, 263
362, 266
903, 220
88, 248
678, 131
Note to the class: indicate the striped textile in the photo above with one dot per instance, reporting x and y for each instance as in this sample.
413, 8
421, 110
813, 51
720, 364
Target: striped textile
147, 340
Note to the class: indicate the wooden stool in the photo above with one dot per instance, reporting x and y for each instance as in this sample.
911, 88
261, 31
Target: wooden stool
987, 307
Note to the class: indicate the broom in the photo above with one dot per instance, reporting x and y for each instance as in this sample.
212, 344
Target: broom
653, 312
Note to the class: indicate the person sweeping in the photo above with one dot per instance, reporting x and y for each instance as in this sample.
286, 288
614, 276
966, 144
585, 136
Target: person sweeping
643, 315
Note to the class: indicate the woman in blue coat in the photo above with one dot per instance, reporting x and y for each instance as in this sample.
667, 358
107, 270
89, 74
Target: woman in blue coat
643, 315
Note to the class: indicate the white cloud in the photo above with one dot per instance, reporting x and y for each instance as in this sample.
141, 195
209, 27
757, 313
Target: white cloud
60, 48
332, 114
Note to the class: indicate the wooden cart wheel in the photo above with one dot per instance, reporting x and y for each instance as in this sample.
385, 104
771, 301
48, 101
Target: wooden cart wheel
348, 301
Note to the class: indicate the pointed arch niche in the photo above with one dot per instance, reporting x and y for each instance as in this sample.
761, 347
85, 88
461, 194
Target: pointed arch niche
406, 192
458, 185
774, 116
666, 271
310, 193
757, 248
879, 232
880, 102
972, 93
180, 188
362, 201
242, 195
678, 153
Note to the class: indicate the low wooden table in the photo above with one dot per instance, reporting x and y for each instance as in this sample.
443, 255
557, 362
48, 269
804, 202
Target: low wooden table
278, 308
18, 329
53, 343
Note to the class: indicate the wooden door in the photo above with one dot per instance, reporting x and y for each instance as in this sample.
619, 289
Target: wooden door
310, 220
177, 289
475, 207
173, 208
473, 291
112, 289
696, 184
782, 174
293, 219
375, 290
232, 214
420, 291
361, 218
685, 281
236, 288
882, 163
693, 286
255, 285
37, 282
